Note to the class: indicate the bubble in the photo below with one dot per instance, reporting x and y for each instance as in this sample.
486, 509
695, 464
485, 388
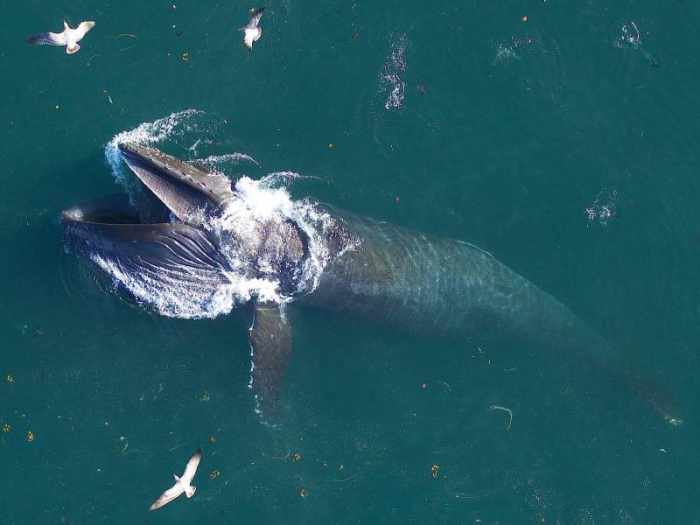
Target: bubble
392, 79
604, 207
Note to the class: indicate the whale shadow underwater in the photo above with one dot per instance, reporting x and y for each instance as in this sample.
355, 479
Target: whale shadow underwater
197, 246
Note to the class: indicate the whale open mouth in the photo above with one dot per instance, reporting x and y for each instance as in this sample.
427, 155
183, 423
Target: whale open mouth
113, 227
158, 251
168, 250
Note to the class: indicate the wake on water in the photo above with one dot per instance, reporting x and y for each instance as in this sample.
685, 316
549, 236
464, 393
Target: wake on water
245, 218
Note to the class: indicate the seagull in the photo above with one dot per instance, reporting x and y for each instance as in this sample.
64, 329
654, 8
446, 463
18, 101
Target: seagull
252, 32
181, 484
69, 37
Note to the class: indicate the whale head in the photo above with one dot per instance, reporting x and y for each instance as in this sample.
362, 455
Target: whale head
165, 252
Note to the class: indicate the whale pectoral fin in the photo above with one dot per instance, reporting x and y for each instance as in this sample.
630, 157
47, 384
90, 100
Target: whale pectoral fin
271, 341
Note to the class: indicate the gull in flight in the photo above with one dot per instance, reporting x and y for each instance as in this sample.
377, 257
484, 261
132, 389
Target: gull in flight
251, 32
182, 484
69, 37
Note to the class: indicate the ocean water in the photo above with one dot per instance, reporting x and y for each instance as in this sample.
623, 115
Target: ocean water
561, 137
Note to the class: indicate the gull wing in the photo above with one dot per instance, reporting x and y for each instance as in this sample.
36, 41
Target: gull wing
251, 35
83, 28
192, 465
167, 496
48, 39
255, 19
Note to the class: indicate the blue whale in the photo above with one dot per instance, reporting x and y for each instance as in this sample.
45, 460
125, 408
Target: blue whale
369, 269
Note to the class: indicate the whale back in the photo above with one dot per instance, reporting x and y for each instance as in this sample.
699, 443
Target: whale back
410, 279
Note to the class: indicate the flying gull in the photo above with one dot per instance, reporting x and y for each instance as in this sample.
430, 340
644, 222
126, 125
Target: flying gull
182, 484
252, 32
69, 37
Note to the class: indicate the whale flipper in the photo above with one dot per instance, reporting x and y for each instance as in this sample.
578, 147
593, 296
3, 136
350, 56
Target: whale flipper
271, 343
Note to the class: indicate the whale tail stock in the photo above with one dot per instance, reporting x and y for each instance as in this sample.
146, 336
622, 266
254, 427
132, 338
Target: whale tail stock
649, 388
636, 379
596, 351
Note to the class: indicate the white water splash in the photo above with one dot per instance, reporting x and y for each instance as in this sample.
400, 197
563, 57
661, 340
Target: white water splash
393, 74
504, 54
258, 208
286, 178
150, 134
604, 207
631, 37
222, 162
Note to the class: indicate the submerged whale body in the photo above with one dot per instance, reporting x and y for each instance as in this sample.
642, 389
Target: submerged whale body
221, 248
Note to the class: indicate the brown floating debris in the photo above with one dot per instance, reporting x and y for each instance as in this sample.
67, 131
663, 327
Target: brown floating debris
296, 457
185, 57
435, 471
303, 494
30, 436
6, 428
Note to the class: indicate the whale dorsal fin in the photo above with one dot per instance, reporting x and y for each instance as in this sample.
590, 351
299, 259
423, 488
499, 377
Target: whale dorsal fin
271, 341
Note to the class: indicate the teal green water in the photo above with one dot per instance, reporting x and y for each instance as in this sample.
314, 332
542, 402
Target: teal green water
502, 132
